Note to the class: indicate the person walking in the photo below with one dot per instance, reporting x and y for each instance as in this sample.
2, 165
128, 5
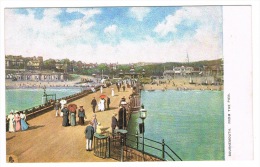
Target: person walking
94, 122
101, 89
112, 92
81, 115
94, 104
10, 118
17, 120
101, 105
57, 107
73, 112
89, 134
114, 123
118, 87
65, 111
24, 125
122, 116
108, 102
63, 102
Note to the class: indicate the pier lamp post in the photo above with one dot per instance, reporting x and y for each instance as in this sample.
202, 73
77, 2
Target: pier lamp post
143, 115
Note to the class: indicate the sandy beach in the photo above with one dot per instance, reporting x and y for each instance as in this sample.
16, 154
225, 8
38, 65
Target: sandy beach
9, 84
181, 83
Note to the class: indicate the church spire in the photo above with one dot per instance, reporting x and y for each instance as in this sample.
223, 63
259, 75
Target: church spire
188, 60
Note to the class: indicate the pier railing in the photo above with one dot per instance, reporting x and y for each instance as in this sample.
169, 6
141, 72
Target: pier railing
159, 150
49, 105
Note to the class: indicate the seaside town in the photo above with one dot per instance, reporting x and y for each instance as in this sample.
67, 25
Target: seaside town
24, 72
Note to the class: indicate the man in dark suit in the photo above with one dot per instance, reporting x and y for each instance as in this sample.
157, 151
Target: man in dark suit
89, 134
108, 102
122, 116
94, 104
114, 122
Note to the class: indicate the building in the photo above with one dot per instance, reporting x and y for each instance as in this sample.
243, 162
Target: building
40, 76
19, 62
34, 63
14, 62
178, 71
132, 74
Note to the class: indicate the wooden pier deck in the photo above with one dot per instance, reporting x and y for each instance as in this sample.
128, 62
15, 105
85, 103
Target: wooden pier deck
47, 140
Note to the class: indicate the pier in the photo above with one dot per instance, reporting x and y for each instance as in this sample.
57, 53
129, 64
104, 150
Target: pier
47, 140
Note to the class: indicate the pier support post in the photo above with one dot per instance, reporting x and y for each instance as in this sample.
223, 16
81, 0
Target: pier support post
108, 147
137, 139
163, 151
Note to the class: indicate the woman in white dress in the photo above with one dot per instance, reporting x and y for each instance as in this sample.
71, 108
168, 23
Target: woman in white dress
62, 102
101, 89
102, 105
11, 121
112, 92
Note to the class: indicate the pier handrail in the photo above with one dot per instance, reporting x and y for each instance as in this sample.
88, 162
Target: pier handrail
35, 110
169, 152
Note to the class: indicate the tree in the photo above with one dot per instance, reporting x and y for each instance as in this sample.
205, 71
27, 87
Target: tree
49, 64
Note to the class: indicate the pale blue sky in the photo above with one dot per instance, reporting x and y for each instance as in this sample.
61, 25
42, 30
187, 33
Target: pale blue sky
116, 34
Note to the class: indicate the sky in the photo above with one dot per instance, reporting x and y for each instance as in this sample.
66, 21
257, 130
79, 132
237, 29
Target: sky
116, 34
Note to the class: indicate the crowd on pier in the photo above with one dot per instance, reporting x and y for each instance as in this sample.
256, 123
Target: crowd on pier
16, 121
73, 114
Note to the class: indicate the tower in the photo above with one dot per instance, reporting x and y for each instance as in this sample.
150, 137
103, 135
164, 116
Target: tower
187, 58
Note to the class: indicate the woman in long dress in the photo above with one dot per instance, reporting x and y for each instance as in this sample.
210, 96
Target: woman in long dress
24, 125
17, 120
112, 92
62, 102
73, 111
94, 122
81, 115
102, 104
11, 121
101, 89
65, 111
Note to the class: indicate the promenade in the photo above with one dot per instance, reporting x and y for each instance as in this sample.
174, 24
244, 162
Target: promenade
47, 140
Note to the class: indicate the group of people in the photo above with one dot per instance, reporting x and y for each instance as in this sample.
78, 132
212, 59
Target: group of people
69, 113
95, 127
102, 105
17, 121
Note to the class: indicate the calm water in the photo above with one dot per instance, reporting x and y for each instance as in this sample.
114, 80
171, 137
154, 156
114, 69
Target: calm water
20, 99
190, 122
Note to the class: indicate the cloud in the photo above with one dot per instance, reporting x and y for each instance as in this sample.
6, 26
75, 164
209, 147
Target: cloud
206, 40
27, 36
139, 12
202, 16
88, 13
110, 30
51, 12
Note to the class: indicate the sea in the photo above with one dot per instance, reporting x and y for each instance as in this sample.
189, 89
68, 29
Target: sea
191, 123
21, 99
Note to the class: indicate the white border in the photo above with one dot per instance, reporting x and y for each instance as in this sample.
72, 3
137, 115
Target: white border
234, 89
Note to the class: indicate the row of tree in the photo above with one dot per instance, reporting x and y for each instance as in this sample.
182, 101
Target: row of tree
152, 69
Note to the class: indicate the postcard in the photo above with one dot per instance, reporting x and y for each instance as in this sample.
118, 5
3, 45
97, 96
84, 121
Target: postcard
87, 82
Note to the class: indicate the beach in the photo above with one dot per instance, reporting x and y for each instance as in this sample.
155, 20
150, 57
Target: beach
181, 83
9, 84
